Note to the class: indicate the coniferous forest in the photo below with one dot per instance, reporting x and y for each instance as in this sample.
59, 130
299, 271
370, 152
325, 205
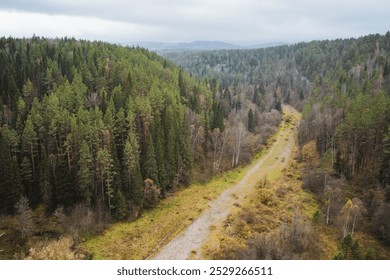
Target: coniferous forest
92, 133
88, 122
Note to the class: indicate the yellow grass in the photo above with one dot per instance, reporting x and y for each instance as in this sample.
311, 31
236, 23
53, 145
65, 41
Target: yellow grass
155, 228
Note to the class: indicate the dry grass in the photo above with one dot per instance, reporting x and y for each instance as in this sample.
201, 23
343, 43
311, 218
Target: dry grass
155, 228
277, 196
262, 213
61, 249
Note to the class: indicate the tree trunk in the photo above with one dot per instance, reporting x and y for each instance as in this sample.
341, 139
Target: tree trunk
353, 225
223, 146
32, 159
327, 213
346, 226
102, 185
68, 155
238, 147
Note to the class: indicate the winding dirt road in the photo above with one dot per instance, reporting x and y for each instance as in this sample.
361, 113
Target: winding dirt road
190, 241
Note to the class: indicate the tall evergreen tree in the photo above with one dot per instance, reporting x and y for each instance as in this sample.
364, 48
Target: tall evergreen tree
106, 173
85, 173
251, 121
29, 141
149, 169
132, 168
10, 180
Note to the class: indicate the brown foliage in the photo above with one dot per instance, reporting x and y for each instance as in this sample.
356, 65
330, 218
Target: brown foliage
151, 194
314, 181
61, 249
310, 154
81, 220
292, 240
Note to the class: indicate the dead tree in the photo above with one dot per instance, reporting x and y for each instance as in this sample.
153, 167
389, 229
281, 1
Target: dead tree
1, 235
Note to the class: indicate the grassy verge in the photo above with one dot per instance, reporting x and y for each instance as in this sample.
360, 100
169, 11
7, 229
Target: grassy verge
275, 200
139, 239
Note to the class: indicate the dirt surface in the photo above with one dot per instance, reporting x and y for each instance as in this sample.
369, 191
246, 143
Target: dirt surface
189, 242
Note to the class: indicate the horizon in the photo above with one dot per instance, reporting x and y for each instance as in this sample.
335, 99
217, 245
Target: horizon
240, 44
244, 22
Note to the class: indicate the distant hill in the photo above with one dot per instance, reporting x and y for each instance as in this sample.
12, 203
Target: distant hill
197, 45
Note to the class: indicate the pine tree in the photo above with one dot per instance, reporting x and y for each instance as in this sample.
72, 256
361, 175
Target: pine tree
106, 176
251, 121
158, 138
170, 151
27, 176
132, 168
184, 154
182, 86
278, 104
29, 141
29, 92
149, 162
85, 173
10, 180
120, 205
217, 117
385, 168
64, 183
46, 188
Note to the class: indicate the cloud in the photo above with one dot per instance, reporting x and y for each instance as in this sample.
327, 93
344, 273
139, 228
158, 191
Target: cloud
185, 20
26, 24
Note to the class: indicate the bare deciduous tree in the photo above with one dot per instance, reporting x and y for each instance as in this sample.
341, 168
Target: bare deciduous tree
1, 234
239, 134
24, 217
351, 212
331, 194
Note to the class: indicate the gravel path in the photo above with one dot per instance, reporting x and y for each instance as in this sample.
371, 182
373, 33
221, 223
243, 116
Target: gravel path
191, 239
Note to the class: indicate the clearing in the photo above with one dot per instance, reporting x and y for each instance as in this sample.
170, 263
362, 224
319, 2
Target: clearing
180, 225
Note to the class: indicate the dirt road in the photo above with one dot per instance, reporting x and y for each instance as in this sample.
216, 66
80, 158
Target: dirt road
190, 241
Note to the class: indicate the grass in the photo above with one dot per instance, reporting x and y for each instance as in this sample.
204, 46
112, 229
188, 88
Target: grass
262, 212
155, 228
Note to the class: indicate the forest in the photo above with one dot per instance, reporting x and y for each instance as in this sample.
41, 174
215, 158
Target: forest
93, 133
100, 131
342, 88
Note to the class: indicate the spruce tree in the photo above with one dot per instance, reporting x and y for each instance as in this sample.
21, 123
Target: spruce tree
251, 121
10, 180
120, 205
85, 173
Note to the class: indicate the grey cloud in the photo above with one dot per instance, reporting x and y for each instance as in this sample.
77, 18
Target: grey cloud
230, 20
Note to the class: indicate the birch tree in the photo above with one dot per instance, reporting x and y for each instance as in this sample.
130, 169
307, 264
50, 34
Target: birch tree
24, 217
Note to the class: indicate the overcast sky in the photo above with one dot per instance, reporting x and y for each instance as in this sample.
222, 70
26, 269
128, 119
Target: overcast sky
234, 21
